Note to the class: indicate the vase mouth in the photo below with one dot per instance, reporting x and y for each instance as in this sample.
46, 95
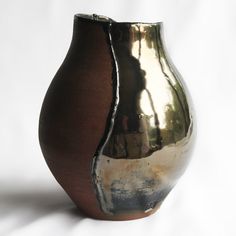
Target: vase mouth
108, 20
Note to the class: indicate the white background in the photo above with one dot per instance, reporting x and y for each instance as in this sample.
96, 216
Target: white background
201, 39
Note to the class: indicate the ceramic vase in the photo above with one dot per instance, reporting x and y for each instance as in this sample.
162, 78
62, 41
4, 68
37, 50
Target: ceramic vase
116, 125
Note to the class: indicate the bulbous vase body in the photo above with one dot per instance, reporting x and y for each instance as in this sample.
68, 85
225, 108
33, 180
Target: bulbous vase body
116, 125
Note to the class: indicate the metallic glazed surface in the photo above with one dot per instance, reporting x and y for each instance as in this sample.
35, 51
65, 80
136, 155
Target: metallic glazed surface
146, 148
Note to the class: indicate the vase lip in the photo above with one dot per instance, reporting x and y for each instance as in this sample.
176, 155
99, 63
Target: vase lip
107, 20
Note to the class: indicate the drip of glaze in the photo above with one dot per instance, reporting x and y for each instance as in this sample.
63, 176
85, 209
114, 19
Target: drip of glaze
110, 124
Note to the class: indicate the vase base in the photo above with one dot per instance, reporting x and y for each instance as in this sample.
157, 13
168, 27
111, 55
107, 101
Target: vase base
124, 217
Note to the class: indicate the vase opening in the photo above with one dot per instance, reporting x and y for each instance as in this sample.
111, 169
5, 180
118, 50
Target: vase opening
105, 19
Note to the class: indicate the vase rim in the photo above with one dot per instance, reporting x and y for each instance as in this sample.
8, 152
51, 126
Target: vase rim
106, 20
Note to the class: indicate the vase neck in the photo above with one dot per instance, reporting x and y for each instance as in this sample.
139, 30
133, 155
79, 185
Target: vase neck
138, 38
134, 36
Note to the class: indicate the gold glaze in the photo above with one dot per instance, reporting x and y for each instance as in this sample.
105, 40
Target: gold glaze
147, 148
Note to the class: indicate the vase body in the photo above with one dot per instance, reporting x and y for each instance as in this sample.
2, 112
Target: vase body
116, 125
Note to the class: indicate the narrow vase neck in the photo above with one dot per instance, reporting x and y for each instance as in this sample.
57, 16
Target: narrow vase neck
134, 36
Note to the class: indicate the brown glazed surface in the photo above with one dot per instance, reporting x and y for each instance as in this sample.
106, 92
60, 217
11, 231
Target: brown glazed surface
116, 125
69, 129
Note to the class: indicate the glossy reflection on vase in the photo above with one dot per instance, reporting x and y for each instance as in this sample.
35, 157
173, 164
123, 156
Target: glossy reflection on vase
116, 126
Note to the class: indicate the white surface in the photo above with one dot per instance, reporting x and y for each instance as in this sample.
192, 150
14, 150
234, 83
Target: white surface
201, 39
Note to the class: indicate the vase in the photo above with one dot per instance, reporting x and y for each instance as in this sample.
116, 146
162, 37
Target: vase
116, 125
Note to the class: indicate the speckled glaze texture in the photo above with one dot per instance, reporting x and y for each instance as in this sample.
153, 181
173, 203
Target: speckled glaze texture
116, 126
